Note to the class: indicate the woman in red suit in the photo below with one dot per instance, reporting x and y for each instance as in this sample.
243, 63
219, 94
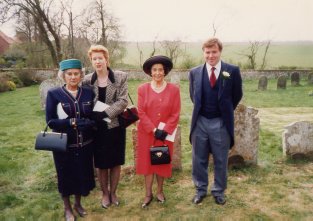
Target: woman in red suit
158, 102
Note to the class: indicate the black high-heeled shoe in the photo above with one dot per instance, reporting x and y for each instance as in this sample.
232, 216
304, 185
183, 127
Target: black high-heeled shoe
69, 216
146, 204
161, 200
116, 203
80, 210
105, 204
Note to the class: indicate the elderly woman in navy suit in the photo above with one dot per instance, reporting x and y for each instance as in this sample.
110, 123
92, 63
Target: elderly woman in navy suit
110, 88
67, 110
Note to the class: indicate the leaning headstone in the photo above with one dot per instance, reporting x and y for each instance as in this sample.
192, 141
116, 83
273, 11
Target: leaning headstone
281, 82
310, 78
298, 140
176, 160
295, 79
247, 126
262, 86
45, 86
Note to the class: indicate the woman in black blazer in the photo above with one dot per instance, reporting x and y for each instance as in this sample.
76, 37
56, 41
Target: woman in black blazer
109, 154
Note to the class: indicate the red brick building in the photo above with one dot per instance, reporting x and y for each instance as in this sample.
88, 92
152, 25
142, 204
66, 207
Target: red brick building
5, 42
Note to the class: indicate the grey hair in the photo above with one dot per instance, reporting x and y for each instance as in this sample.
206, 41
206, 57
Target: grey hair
61, 74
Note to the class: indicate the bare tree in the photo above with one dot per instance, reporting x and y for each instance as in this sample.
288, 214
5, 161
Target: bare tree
172, 49
214, 29
68, 23
140, 54
102, 27
26, 27
154, 46
264, 61
43, 17
251, 55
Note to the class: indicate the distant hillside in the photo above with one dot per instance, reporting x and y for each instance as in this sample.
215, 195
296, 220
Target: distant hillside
280, 54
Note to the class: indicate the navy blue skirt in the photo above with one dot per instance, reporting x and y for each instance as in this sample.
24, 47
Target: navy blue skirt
75, 171
109, 149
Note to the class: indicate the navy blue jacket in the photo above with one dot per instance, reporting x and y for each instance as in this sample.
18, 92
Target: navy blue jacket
229, 95
79, 108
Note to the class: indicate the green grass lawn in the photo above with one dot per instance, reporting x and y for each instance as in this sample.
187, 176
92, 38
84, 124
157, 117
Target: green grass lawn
278, 188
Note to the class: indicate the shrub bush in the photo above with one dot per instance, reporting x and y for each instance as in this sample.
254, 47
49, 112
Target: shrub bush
11, 85
188, 62
27, 77
11, 76
3, 85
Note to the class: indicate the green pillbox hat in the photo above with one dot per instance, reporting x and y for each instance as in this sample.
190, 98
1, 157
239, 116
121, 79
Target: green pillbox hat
70, 63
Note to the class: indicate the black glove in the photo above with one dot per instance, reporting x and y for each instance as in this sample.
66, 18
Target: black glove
84, 124
98, 116
160, 134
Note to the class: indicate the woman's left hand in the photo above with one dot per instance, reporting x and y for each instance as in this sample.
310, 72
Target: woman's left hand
160, 134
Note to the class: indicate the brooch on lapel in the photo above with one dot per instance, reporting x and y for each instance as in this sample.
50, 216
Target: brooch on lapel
226, 76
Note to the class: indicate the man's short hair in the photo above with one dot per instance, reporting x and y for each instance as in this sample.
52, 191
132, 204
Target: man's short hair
211, 42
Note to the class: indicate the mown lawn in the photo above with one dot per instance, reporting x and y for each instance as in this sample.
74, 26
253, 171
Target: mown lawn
278, 188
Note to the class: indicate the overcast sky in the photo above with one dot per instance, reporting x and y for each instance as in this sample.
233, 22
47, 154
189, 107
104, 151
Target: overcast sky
192, 20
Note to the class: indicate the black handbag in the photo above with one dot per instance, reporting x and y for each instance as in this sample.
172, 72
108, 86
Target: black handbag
51, 141
129, 116
160, 155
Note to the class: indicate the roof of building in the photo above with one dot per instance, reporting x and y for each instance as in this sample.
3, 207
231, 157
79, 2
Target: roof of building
6, 38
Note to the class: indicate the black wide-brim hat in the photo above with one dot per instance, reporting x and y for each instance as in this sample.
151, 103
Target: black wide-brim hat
158, 59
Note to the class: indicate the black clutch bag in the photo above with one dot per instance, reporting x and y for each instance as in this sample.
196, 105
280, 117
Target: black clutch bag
160, 155
51, 141
129, 116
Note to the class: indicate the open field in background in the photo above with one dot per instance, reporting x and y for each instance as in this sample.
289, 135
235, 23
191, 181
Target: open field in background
296, 54
276, 189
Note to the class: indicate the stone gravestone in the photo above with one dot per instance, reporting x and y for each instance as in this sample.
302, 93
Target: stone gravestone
45, 86
298, 140
262, 86
176, 160
281, 82
310, 78
295, 79
247, 126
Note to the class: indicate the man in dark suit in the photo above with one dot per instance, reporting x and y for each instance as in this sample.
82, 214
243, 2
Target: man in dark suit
215, 90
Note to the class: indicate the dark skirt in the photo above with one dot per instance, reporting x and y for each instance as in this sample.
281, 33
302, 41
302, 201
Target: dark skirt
109, 147
75, 171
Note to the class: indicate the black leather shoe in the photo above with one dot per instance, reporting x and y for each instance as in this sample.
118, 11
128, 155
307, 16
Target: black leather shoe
146, 204
80, 210
197, 199
220, 200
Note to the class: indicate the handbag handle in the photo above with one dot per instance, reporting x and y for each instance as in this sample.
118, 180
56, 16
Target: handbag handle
46, 129
131, 100
156, 139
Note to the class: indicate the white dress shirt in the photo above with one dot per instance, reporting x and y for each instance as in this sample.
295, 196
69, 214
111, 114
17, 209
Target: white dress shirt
217, 69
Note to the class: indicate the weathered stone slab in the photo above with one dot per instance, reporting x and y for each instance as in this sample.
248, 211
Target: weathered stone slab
295, 79
176, 160
298, 140
45, 86
247, 126
262, 86
281, 82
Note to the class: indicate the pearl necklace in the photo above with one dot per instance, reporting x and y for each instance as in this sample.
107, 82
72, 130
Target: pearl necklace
155, 88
